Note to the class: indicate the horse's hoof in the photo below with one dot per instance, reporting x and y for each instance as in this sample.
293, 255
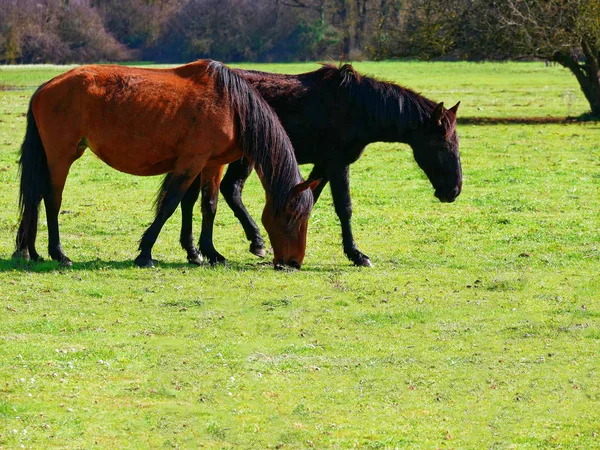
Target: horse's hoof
362, 261
219, 261
145, 263
258, 250
213, 257
196, 260
21, 254
66, 262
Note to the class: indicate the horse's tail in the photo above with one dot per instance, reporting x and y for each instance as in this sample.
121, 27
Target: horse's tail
35, 178
162, 191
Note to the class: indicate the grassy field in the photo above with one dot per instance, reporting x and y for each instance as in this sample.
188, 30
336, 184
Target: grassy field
478, 327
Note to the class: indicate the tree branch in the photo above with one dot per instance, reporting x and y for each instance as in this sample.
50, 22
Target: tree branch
299, 4
591, 55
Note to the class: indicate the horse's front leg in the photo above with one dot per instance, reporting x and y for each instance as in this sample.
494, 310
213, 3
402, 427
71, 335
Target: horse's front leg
339, 179
211, 178
231, 188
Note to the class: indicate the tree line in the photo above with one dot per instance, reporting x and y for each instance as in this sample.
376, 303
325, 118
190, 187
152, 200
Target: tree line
63, 31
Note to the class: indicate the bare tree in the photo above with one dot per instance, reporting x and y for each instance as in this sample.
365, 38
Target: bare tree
384, 26
314, 5
567, 32
564, 31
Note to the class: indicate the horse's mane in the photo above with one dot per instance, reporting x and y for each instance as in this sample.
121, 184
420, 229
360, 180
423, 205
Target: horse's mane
264, 140
383, 102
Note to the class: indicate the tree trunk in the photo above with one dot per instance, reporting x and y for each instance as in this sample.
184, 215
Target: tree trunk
342, 12
593, 97
592, 70
361, 22
587, 74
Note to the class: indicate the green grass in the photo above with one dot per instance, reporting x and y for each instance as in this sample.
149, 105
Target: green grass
478, 327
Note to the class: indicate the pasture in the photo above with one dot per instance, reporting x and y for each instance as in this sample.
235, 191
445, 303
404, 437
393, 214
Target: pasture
478, 327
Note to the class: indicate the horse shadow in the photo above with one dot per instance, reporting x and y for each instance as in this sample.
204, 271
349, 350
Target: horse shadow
48, 266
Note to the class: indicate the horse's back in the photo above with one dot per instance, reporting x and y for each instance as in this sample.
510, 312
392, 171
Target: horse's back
314, 111
154, 116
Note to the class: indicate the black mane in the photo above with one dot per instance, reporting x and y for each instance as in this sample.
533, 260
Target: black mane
264, 140
385, 104
380, 104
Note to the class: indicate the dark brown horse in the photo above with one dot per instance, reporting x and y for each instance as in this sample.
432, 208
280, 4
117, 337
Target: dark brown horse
189, 121
331, 114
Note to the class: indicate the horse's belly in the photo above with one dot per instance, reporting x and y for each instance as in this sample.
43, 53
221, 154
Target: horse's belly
146, 161
228, 155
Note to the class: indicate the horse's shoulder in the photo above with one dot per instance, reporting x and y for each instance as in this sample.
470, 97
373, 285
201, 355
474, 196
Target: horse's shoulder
196, 67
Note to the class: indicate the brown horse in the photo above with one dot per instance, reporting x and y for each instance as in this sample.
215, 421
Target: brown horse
190, 121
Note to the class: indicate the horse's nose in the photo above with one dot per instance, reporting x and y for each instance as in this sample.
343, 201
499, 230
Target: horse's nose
447, 196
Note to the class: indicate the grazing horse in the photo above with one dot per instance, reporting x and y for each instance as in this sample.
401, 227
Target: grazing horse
331, 115
188, 121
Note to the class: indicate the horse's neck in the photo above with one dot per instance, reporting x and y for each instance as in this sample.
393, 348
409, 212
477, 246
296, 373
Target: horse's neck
390, 119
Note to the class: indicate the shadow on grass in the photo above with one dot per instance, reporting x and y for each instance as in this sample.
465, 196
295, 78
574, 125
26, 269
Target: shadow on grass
11, 87
46, 266
526, 120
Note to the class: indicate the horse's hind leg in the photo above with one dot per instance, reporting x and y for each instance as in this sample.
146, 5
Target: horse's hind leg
231, 188
211, 178
26, 239
52, 204
187, 208
22, 251
59, 169
180, 183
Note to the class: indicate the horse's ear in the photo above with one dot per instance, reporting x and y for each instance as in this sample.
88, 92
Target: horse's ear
313, 185
301, 187
438, 113
454, 109
348, 73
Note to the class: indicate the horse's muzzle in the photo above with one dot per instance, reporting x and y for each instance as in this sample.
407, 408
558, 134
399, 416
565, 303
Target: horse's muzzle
448, 196
289, 266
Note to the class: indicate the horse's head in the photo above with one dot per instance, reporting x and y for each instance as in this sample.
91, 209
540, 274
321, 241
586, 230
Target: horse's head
287, 227
435, 147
